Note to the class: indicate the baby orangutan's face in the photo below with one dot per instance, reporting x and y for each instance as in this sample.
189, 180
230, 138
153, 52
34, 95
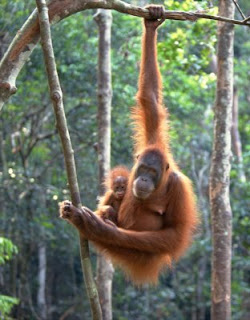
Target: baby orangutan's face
119, 187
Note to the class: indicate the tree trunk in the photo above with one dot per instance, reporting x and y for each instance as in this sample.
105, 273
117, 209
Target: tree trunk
41, 301
220, 170
105, 270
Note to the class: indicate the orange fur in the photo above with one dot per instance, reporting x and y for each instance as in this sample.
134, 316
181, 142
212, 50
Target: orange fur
109, 205
113, 174
160, 239
153, 232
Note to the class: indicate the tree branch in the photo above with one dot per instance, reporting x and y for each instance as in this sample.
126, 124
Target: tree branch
27, 37
246, 20
239, 9
57, 99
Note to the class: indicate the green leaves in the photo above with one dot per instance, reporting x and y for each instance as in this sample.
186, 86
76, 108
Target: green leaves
6, 304
7, 250
36, 182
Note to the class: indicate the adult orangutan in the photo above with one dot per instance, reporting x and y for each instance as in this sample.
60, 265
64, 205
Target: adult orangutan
158, 214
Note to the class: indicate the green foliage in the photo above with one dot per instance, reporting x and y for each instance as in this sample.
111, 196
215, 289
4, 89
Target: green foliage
18, 8
32, 172
6, 304
7, 250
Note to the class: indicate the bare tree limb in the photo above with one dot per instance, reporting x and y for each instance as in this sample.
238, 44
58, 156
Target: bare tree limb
57, 99
246, 20
239, 9
199, 15
28, 36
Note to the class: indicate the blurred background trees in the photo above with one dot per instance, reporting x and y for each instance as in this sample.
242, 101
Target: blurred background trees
33, 179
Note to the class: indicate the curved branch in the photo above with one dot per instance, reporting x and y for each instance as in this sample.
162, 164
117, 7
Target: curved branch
27, 37
61, 123
199, 15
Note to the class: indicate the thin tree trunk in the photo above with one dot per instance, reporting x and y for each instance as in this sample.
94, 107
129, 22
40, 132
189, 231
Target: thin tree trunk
104, 268
200, 303
220, 170
235, 135
236, 141
41, 300
22, 285
57, 99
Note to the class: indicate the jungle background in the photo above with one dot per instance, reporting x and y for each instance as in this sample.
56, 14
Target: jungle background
33, 178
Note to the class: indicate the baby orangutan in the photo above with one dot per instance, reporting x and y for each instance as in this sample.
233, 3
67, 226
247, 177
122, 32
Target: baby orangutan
158, 214
116, 185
